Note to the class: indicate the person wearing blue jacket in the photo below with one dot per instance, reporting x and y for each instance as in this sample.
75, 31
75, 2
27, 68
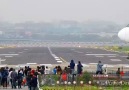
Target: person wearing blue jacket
34, 82
28, 78
5, 74
79, 68
0, 77
72, 66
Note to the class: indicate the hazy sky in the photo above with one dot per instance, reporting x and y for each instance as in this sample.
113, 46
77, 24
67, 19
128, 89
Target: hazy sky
55, 10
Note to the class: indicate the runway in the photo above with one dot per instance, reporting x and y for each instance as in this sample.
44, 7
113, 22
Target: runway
60, 55
91, 55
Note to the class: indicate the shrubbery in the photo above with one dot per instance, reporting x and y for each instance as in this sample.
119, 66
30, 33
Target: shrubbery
85, 77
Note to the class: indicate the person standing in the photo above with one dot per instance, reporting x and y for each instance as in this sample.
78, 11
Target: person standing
4, 77
55, 70
72, 68
99, 68
20, 78
14, 78
10, 71
79, 68
72, 65
59, 70
0, 77
34, 82
29, 78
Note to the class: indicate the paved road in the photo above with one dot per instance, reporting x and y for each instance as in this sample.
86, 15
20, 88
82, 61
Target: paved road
44, 55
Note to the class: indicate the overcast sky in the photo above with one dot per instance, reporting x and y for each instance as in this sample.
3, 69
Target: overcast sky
56, 10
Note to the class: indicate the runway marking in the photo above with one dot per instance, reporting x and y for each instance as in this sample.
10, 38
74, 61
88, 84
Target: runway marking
56, 57
2, 60
123, 56
115, 59
20, 52
99, 54
3, 65
9, 54
50, 65
106, 65
59, 61
50, 50
111, 56
93, 63
63, 60
53, 55
32, 63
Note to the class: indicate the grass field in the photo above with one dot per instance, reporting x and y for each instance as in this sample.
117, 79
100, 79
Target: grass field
124, 49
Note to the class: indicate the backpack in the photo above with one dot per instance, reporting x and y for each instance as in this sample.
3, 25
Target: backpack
64, 77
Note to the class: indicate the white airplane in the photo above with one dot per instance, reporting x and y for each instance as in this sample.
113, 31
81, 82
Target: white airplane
124, 34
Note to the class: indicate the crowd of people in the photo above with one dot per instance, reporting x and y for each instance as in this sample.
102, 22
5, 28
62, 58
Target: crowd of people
70, 69
69, 72
9, 77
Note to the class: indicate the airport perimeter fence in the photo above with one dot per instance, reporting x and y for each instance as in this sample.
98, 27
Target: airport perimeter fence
87, 79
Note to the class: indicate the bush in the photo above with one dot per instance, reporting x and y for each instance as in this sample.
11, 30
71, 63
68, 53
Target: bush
55, 77
120, 47
85, 77
48, 80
